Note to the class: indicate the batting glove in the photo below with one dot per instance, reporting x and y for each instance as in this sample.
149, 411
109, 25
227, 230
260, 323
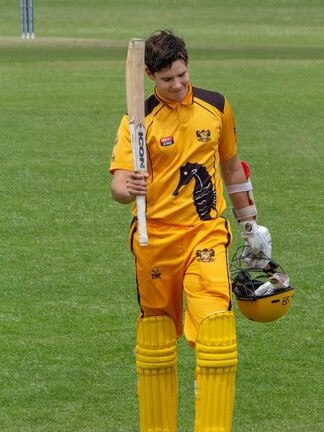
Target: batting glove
257, 250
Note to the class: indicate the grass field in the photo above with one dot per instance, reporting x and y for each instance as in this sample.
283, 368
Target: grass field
68, 302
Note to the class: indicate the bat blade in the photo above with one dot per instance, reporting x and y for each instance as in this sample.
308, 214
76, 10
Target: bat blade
135, 71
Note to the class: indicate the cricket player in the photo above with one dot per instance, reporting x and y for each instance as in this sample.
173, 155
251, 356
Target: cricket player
191, 152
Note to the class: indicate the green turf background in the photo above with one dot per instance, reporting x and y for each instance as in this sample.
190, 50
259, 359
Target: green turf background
68, 302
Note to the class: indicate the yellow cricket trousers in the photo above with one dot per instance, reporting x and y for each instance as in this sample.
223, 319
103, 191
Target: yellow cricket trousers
183, 268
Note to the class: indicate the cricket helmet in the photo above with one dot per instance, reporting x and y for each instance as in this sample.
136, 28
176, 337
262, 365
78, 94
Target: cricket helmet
262, 295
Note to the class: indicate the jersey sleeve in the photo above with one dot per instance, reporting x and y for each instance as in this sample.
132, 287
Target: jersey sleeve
122, 157
227, 140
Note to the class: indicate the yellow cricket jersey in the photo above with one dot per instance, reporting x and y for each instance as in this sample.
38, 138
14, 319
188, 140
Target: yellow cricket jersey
185, 142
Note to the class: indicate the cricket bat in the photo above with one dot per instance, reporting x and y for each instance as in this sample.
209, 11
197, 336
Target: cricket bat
135, 72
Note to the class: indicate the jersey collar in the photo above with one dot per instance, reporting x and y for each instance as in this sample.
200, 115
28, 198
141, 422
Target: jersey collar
172, 104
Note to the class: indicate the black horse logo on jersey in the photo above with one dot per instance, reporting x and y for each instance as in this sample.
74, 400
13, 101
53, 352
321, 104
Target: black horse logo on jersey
204, 195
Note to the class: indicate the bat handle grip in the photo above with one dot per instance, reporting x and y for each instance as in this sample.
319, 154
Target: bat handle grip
141, 217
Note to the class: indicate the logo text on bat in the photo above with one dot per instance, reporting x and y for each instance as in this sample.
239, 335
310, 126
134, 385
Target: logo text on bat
141, 145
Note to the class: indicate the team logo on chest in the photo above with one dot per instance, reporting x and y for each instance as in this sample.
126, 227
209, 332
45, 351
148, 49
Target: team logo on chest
203, 135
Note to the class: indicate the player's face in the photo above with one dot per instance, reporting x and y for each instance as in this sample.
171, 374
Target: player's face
172, 83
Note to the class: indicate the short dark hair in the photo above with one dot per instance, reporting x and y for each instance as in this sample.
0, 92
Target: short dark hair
162, 49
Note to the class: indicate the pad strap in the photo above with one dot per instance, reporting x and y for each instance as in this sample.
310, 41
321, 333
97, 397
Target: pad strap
245, 212
239, 187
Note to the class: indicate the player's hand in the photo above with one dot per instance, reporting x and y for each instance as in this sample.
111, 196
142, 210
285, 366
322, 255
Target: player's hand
257, 250
136, 183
